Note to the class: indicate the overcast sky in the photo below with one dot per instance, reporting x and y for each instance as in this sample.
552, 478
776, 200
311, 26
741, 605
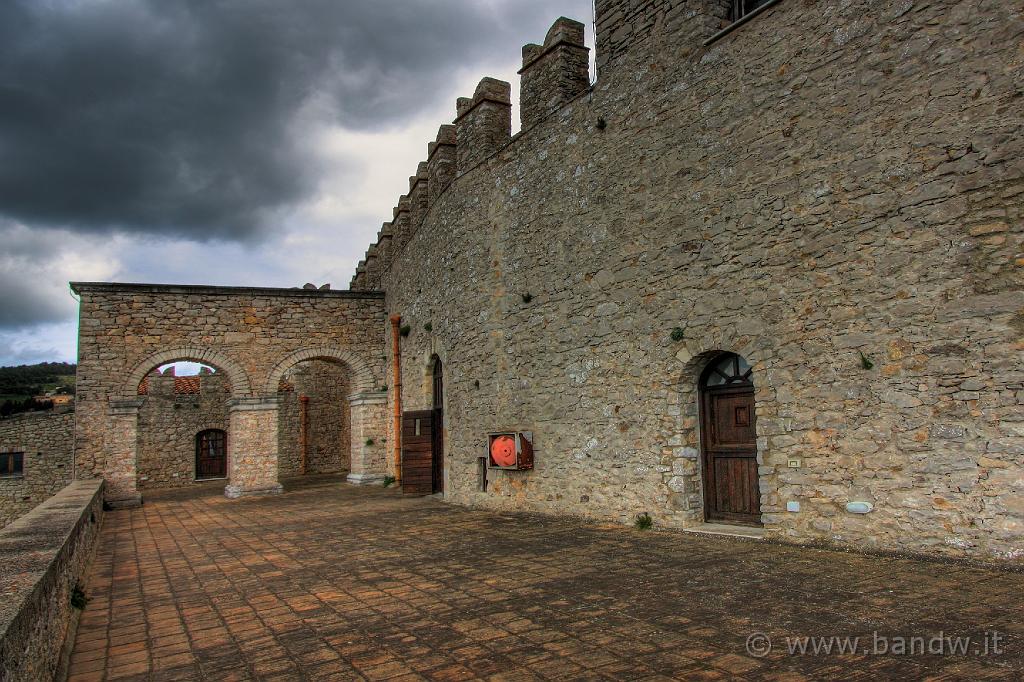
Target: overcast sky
237, 142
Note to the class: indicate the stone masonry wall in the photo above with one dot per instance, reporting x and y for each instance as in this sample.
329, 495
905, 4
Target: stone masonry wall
169, 422
327, 387
46, 554
253, 336
47, 441
834, 191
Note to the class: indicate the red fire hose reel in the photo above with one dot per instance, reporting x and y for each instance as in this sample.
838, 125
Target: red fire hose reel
511, 450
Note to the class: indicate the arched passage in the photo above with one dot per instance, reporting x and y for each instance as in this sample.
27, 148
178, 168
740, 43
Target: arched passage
366, 419
174, 410
314, 418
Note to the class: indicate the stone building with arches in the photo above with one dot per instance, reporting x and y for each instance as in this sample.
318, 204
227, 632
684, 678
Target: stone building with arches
252, 338
762, 272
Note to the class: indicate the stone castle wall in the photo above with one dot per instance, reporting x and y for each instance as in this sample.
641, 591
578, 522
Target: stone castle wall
170, 420
47, 440
833, 190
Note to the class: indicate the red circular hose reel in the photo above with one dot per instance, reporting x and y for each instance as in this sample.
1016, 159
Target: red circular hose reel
503, 451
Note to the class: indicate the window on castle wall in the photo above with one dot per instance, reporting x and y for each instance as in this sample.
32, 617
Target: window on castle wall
12, 464
741, 8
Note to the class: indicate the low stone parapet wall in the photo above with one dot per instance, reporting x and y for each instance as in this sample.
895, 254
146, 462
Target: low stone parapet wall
43, 556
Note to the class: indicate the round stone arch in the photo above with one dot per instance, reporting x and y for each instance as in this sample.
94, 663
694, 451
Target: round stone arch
241, 387
362, 376
686, 481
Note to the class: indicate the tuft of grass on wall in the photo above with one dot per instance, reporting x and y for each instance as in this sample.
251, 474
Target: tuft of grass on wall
78, 598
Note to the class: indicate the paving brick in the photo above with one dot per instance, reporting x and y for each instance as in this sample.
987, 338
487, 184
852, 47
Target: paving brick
410, 588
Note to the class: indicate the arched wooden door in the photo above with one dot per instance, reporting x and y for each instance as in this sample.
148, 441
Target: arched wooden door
729, 442
437, 467
211, 454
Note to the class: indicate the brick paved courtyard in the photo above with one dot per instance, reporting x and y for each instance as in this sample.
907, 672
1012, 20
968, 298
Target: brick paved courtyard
330, 582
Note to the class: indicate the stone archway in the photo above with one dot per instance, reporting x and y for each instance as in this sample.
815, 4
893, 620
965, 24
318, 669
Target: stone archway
367, 409
362, 376
121, 439
685, 484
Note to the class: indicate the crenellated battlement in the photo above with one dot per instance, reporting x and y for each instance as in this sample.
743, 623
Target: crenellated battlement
442, 160
484, 122
554, 73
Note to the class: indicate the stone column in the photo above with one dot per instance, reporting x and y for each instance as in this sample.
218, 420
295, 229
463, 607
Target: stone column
252, 447
121, 442
369, 451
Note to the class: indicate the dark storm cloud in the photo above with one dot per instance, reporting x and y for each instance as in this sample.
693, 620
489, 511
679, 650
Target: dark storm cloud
179, 117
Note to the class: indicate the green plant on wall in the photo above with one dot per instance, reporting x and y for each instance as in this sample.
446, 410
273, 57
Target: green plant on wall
865, 362
405, 330
677, 334
369, 441
429, 327
78, 598
644, 521
389, 481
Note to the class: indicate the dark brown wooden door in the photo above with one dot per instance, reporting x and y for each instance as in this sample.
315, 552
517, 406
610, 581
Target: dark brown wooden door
417, 452
438, 459
211, 454
729, 442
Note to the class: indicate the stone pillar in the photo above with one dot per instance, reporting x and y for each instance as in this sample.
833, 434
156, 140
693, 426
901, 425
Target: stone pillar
369, 451
121, 443
252, 447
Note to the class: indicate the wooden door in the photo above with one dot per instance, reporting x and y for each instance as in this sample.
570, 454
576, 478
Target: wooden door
417, 452
729, 440
211, 454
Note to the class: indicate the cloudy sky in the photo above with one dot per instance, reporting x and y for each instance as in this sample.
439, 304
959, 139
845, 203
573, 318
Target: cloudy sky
236, 142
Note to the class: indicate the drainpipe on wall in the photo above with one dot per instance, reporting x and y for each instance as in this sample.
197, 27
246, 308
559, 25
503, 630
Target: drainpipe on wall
396, 398
304, 430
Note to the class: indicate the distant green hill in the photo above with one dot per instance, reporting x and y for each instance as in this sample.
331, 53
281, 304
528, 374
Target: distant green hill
20, 384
